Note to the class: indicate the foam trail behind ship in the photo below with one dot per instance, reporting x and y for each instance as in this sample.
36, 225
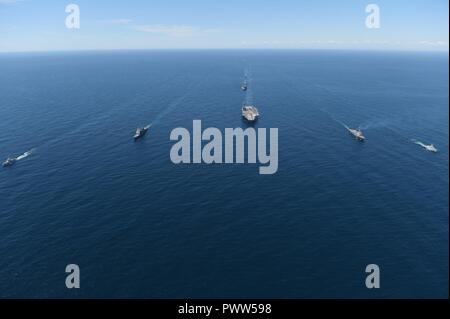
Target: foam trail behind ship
419, 143
24, 155
335, 119
172, 106
249, 92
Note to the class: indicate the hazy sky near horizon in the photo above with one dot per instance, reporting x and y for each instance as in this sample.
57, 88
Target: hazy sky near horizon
39, 25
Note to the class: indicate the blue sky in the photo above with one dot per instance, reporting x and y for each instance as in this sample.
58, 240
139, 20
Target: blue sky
39, 25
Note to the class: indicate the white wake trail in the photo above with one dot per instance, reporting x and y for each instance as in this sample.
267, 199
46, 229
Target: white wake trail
418, 143
24, 155
249, 92
335, 119
170, 108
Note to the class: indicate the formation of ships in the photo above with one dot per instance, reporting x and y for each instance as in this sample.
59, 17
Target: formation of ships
358, 134
250, 114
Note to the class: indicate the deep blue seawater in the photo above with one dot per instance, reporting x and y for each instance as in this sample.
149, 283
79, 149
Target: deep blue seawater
140, 226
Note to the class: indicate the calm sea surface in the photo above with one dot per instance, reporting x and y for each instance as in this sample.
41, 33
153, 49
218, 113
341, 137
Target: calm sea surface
140, 226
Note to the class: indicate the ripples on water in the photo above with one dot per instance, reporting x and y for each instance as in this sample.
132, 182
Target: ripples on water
140, 226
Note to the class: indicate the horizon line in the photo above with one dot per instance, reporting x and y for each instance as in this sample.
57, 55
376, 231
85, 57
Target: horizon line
446, 50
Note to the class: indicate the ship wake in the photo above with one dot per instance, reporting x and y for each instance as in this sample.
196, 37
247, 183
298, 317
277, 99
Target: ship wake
24, 155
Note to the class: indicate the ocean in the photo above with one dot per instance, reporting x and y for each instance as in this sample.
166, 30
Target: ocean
139, 226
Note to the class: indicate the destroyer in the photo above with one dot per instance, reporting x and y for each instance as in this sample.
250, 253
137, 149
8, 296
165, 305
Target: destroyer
430, 148
250, 113
357, 133
9, 162
140, 132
